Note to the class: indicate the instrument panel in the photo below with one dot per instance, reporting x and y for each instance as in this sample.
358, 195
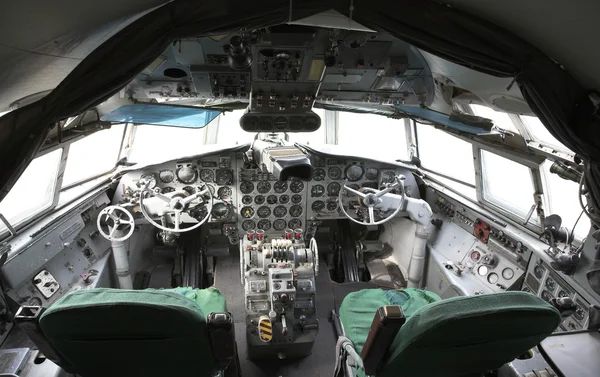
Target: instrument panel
252, 199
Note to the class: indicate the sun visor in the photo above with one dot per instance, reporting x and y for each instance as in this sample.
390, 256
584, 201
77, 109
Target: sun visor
459, 122
162, 115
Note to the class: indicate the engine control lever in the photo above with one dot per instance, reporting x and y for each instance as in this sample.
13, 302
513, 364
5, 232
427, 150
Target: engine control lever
284, 329
565, 306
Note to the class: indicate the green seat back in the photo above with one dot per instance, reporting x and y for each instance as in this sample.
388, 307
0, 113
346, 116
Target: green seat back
112, 332
460, 336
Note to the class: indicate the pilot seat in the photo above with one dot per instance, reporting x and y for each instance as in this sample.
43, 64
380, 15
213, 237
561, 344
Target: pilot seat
114, 332
413, 333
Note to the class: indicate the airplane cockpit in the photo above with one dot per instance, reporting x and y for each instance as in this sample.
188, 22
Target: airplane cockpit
305, 192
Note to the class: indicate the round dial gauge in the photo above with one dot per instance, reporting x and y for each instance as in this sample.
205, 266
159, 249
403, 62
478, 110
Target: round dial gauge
246, 187
482, 270
579, 313
284, 199
247, 212
318, 206
538, 271
332, 206
279, 224
547, 296
279, 211
199, 212
167, 190
224, 192
297, 186
508, 273
272, 199
166, 176
475, 255
224, 177
190, 190
248, 225
246, 199
388, 176
220, 211
259, 199
296, 199
264, 211
562, 293
550, 284
334, 173
150, 180
295, 224
263, 187
295, 211
317, 191
354, 173
371, 174
318, 174
264, 224
187, 174
280, 187
207, 175
333, 189
492, 278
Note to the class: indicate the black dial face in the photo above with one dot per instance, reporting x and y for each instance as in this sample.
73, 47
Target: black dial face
220, 211
546, 295
259, 199
579, 313
199, 212
318, 174
187, 174
371, 174
317, 191
297, 186
279, 224
317, 206
272, 199
295, 224
224, 193
562, 293
353, 186
333, 189
284, 199
296, 199
263, 187
246, 187
295, 211
538, 271
167, 190
354, 173
166, 176
334, 173
264, 211
388, 176
247, 212
550, 284
207, 175
248, 225
280, 187
190, 190
224, 177
264, 224
332, 206
279, 211
246, 199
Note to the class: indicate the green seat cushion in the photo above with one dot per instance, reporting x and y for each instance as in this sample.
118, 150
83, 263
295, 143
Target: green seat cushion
113, 332
468, 335
358, 309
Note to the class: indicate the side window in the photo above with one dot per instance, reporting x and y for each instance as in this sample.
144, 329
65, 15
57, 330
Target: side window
229, 131
507, 184
34, 191
93, 155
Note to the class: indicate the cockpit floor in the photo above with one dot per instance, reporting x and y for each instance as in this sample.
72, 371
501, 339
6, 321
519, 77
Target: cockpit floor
322, 360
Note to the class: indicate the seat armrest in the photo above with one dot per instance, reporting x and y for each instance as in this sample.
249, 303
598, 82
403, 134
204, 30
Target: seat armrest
28, 320
222, 338
387, 322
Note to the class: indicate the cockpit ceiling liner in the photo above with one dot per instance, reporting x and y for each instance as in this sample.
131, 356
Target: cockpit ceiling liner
560, 102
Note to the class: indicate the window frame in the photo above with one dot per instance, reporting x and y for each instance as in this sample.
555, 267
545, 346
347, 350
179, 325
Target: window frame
17, 227
534, 165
